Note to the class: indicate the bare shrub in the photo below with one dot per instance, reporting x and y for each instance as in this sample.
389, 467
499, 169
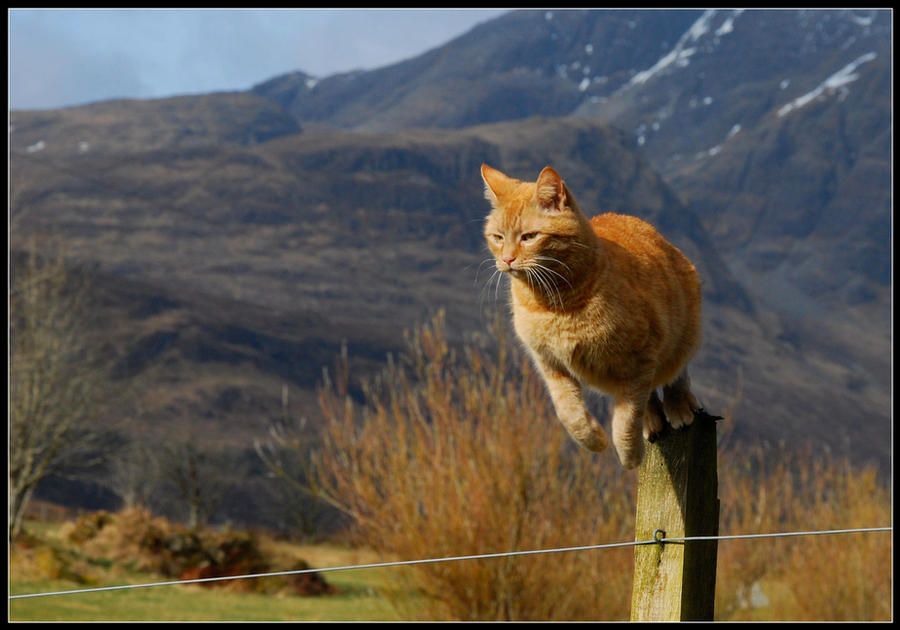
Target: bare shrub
462, 455
861, 587
825, 578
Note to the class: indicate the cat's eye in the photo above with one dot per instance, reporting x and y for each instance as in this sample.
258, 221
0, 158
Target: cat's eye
528, 236
497, 238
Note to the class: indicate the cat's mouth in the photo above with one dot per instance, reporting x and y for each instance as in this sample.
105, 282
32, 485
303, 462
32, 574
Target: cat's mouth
515, 272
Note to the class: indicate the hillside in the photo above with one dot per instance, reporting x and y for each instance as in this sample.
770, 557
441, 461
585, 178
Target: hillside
301, 252
239, 240
773, 126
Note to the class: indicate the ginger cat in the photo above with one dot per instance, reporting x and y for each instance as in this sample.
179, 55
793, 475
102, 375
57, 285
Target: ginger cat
605, 302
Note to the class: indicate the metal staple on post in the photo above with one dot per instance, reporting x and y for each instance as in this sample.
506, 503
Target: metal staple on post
659, 535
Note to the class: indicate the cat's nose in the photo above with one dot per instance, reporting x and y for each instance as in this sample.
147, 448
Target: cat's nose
508, 260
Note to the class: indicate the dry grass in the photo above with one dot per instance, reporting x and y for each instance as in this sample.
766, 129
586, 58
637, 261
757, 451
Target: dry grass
62, 557
841, 577
457, 455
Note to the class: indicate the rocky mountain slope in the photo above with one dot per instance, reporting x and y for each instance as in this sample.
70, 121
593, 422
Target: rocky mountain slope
770, 124
773, 126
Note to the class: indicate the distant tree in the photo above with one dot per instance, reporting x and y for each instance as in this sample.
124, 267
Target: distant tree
59, 380
287, 454
134, 474
195, 480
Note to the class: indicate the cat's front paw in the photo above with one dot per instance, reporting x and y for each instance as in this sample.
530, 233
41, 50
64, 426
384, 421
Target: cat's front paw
680, 409
585, 430
596, 440
631, 456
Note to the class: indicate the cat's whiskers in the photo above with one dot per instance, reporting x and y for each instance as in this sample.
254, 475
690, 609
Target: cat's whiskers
486, 288
482, 264
553, 285
556, 260
548, 275
556, 273
529, 272
548, 287
528, 277
499, 275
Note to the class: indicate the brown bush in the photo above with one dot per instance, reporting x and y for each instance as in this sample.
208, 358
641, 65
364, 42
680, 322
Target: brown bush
825, 578
87, 526
307, 583
454, 456
457, 457
155, 544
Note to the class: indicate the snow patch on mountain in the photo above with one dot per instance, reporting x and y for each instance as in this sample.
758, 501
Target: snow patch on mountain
863, 20
712, 152
679, 55
728, 25
838, 80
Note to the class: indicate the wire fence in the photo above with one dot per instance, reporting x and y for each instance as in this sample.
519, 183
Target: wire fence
656, 540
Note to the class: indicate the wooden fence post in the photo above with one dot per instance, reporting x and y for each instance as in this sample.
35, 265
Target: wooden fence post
677, 497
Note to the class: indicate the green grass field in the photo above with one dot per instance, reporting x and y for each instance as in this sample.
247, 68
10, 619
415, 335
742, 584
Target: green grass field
362, 594
357, 601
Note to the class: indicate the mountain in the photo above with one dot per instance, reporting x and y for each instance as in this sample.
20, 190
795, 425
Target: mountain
780, 118
240, 240
773, 126
522, 64
358, 227
227, 271
123, 126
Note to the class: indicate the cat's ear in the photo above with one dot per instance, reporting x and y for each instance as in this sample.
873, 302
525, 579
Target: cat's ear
551, 191
495, 183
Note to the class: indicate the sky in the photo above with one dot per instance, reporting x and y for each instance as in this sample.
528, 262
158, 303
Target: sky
59, 58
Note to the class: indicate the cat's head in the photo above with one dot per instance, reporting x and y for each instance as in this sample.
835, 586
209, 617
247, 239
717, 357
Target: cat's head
533, 224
